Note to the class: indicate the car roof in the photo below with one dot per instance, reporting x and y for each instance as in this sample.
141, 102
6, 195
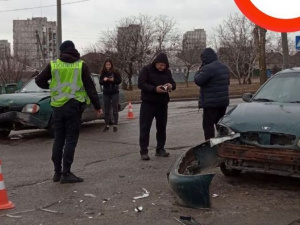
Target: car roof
290, 70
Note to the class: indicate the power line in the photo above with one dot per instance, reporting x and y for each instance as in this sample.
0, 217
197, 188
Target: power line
38, 7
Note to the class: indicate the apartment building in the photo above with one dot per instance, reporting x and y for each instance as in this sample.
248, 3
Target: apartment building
195, 39
4, 49
34, 41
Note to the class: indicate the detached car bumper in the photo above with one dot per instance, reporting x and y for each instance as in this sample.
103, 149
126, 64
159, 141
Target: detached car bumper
189, 177
25, 119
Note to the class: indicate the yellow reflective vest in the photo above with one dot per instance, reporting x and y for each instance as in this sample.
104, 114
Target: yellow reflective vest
66, 83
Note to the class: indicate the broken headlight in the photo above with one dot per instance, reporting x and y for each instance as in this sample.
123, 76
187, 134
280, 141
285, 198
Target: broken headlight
31, 108
224, 130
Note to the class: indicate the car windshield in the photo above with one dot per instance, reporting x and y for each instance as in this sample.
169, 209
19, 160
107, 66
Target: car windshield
282, 88
32, 87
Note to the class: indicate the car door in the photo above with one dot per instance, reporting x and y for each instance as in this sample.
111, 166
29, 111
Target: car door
89, 112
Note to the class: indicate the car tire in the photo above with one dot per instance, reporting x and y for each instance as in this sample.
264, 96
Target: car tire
229, 172
4, 133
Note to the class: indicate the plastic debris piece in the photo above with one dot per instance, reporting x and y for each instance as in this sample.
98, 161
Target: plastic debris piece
138, 209
133, 201
90, 195
75, 191
48, 210
90, 217
12, 216
152, 203
145, 195
105, 200
215, 195
81, 201
126, 211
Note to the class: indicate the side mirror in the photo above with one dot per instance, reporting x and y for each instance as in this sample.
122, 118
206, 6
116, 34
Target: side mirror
247, 97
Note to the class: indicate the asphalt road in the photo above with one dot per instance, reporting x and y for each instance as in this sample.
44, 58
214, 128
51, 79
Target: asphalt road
114, 174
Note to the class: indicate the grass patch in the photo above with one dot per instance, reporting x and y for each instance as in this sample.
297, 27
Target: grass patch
193, 90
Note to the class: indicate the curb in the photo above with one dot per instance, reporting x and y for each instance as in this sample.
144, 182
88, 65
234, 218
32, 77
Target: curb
186, 99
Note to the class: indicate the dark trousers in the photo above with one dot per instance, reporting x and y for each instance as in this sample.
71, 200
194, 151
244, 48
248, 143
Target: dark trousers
147, 113
111, 101
67, 122
211, 117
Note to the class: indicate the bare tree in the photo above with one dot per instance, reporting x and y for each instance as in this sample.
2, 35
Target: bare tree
135, 41
260, 43
190, 59
234, 41
11, 70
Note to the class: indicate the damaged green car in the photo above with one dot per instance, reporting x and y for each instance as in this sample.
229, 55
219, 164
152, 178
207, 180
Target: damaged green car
30, 108
267, 129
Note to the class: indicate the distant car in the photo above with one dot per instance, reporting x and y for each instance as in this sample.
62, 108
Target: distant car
30, 108
268, 126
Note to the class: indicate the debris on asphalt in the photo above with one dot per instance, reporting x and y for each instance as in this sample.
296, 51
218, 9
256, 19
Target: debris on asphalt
186, 220
105, 200
11, 216
48, 210
145, 195
75, 191
138, 209
152, 203
215, 195
81, 201
133, 201
90, 195
126, 211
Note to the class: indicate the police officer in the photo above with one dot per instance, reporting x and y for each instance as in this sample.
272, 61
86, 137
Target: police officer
71, 88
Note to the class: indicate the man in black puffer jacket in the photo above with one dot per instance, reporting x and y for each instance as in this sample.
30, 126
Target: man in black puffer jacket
155, 81
213, 80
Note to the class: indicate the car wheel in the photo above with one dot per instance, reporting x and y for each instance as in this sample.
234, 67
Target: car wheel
229, 172
4, 133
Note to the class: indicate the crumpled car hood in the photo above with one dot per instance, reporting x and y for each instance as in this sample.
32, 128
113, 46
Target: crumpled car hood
264, 117
21, 99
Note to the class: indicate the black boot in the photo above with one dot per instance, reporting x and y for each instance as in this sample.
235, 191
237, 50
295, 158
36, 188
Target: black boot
70, 178
56, 177
162, 153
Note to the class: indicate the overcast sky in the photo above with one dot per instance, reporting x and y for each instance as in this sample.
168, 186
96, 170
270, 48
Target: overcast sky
83, 22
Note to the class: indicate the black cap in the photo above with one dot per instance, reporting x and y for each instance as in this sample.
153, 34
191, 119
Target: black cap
65, 45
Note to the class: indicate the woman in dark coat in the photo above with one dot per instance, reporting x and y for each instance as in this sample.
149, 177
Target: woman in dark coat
110, 78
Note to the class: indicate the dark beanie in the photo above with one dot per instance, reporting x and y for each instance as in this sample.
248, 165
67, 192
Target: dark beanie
65, 45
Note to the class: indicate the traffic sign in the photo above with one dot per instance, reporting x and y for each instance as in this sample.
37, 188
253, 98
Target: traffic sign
297, 42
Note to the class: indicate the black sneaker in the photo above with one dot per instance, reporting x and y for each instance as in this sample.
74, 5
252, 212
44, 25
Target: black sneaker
56, 177
105, 129
70, 178
162, 153
115, 129
145, 157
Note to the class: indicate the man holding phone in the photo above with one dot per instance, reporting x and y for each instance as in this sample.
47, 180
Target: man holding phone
155, 81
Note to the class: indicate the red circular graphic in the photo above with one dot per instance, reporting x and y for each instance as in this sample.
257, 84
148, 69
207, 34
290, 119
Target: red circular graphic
266, 21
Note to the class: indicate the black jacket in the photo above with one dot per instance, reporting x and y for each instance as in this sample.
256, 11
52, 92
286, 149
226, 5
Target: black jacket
71, 55
110, 88
150, 78
213, 79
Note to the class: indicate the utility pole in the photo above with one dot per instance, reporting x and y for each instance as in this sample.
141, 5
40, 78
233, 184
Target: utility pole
59, 30
285, 50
